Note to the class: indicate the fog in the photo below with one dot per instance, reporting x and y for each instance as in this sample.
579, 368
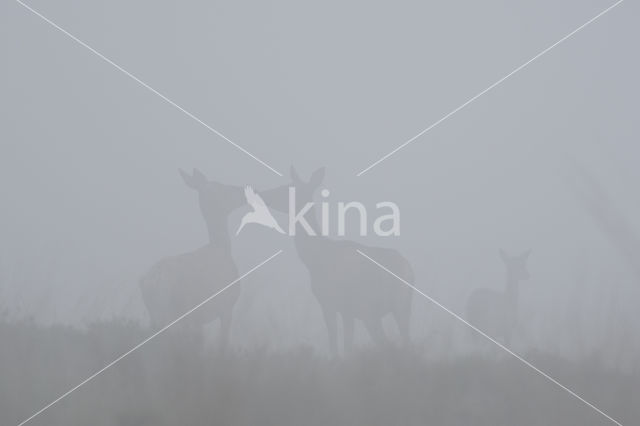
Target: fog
91, 199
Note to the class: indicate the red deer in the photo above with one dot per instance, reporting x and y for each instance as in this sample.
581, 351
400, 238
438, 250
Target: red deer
343, 281
178, 283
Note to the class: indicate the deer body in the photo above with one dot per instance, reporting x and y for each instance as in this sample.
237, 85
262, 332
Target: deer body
176, 284
496, 312
343, 281
346, 283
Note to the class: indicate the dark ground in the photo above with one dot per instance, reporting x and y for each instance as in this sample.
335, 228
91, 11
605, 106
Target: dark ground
173, 381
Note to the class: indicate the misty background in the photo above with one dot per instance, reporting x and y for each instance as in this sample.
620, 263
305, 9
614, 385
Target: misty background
89, 159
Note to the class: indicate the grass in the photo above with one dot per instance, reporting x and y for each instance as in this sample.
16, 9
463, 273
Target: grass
175, 381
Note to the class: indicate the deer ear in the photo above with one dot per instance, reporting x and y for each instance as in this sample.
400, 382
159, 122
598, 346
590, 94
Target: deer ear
195, 181
317, 177
504, 256
197, 174
294, 175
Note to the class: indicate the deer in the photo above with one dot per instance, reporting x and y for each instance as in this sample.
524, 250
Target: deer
496, 312
343, 281
176, 284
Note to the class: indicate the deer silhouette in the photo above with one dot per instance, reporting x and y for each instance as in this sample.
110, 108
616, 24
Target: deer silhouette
496, 312
342, 281
178, 283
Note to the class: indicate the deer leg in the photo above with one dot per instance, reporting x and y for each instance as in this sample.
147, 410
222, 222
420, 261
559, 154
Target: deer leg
348, 323
507, 339
374, 327
225, 328
403, 318
330, 319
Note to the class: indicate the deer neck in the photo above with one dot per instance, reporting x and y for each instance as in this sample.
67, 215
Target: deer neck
219, 233
306, 245
512, 290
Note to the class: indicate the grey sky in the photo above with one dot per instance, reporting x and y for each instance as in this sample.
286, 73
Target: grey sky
89, 159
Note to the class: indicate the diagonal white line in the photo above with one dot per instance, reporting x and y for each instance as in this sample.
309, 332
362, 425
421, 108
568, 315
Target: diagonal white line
139, 345
488, 88
500, 345
145, 85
